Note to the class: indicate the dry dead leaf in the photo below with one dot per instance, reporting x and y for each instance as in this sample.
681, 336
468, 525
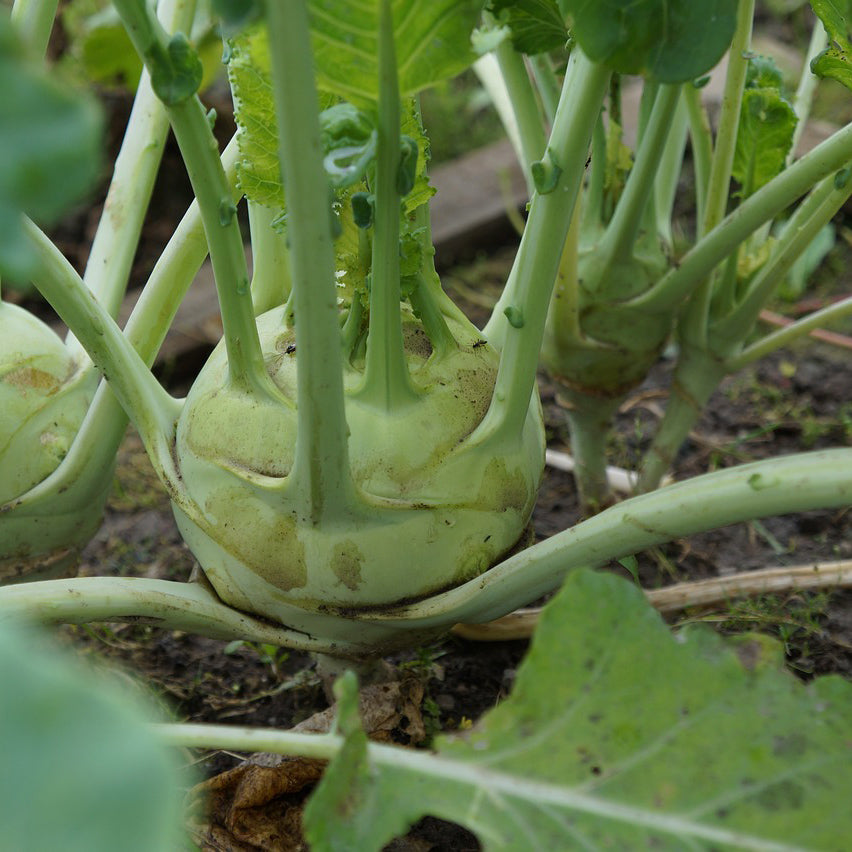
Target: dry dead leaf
257, 806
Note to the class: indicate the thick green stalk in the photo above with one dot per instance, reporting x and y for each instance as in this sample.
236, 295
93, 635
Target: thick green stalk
776, 486
810, 217
593, 204
517, 323
785, 336
699, 371
696, 376
719, 181
669, 172
270, 280
765, 204
321, 468
34, 21
618, 240
701, 143
132, 183
524, 103
189, 607
590, 423
200, 153
152, 410
547, 85
803, 99
101, 431
428, 299
387, 384
729, 119
563, 319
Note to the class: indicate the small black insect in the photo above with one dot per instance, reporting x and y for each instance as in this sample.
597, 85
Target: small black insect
291, 348
479, 343
589, 160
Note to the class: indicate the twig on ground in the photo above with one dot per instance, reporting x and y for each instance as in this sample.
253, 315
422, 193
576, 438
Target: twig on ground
521, 624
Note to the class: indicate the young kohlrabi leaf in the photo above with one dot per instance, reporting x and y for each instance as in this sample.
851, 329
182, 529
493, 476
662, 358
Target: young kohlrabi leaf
766, 127
618, 735
50, 149
835, 61
536, 25
432, 42
81, 770
671, 41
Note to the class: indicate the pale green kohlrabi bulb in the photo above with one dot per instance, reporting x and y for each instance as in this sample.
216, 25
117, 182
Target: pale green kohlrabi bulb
434, 508
44, 396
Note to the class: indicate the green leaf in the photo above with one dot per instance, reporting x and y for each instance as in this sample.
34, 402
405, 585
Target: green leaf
432, 39
672, 41
536, 25
834, 61
50, 149
250, 75
764, 136
618, 735
81, 771
177, 75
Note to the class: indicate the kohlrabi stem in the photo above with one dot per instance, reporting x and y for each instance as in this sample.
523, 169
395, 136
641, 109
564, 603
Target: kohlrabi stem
102, 429
729, 118
697, 374
804, 96
387, 384
547, 84
517, 323
428, 298
525, 106
153, 411
788, 334
806, 222
270, 279
321, 468
669, 172
618, 241
719, 180
563, 318
701, 144
34, 21
132, 183
593, 205
487, 70
776, 486
190, 607
766, 203
699, 370
590, 423
276, 741
170, 63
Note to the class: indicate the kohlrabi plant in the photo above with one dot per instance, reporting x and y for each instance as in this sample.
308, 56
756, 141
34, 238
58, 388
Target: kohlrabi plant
355, 466
59, 432
624, 289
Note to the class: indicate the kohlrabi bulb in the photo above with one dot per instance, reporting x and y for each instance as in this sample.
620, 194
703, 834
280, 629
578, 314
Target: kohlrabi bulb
44, 396
433, 508
43, 401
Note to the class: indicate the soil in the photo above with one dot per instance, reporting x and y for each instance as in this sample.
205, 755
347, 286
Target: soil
797, 399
